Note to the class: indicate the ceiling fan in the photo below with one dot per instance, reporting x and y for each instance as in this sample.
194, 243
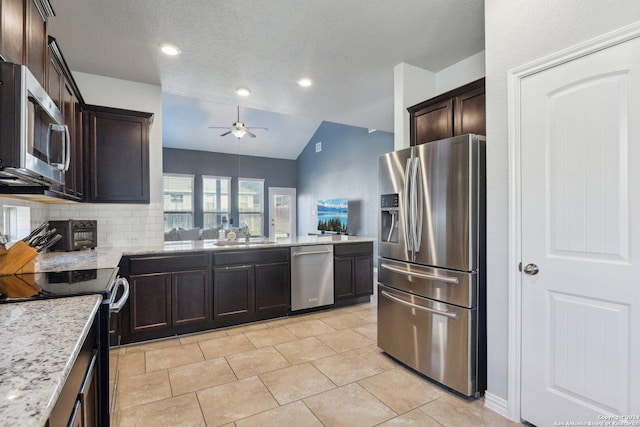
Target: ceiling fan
238, 129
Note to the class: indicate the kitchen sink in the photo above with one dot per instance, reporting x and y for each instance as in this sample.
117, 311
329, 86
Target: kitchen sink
242, 242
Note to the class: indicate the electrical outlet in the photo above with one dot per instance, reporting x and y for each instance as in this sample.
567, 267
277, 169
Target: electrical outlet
318, 146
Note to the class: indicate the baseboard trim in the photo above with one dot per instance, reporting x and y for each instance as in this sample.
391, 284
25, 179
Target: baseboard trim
496, 404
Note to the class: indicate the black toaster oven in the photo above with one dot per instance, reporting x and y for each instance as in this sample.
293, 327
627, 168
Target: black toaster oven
76, 234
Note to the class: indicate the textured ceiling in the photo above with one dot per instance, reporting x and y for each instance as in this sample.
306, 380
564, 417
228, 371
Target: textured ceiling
348, 48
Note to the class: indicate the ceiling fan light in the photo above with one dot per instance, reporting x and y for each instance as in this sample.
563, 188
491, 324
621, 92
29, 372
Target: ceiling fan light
170, 49
243, 91
305, 82
238, 132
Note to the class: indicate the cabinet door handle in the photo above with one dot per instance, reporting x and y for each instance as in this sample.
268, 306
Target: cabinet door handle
238, 267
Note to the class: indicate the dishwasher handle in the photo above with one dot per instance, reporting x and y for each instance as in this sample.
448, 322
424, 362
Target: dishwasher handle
311, 253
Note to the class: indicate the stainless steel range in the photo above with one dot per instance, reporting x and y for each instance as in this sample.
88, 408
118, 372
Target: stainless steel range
431, 270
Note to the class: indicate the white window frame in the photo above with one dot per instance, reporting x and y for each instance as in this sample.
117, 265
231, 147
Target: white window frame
260, 212
227, 212
180, 175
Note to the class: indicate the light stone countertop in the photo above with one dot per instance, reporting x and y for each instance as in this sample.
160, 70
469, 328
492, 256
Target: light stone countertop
40, 343
110, 257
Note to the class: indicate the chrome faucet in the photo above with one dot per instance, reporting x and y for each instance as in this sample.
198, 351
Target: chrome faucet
244, 229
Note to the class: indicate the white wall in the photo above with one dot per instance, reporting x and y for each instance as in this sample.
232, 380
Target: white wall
518, 32
412, 85
124, 224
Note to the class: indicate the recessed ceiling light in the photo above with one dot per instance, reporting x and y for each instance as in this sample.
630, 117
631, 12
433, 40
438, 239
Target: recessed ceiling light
305, 82
243, 91
170, 49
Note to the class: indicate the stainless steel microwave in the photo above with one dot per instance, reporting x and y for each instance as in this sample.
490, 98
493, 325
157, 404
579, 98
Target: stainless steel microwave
35, 145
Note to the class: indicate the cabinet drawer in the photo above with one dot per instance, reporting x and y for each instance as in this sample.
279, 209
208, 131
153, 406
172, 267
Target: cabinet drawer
262, 256
353, 248
158, 264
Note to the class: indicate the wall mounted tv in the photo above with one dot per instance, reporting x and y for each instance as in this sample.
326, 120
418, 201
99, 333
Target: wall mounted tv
333, 215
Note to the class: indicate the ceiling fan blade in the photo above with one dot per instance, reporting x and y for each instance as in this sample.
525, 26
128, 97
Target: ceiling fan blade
258, 127
218, 127
249, 133
226, 133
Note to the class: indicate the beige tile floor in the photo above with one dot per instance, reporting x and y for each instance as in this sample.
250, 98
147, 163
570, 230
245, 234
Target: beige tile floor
320, 369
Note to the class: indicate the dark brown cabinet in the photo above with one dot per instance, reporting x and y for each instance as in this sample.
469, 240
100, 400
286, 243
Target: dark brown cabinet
150, 303
12, 30
63, 90
23, 34
234, 291
36, 15
456, 112
117, 145
250, 285
352, 270
168, 292
79, 401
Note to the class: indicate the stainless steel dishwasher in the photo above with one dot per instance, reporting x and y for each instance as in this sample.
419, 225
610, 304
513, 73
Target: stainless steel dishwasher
311, 276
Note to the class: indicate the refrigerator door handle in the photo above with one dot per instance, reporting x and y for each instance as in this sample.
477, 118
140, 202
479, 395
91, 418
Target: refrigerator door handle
419, 307
406, 207
453, 280
418, 203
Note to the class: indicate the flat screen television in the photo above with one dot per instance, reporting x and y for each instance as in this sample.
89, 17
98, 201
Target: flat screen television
333, 215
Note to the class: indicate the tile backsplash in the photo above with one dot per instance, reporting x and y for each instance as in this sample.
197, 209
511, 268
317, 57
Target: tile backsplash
119, 225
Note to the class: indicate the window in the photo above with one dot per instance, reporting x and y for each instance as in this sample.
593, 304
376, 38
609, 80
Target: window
215, 201
16, 223
251, 203
178, 201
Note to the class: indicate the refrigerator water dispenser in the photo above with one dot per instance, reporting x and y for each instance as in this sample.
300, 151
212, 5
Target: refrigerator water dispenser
389, 218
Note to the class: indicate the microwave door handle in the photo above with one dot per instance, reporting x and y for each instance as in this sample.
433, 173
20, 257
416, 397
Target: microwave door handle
66, 146
67, 143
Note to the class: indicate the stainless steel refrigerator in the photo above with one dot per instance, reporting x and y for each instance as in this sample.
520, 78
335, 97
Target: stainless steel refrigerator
431, 267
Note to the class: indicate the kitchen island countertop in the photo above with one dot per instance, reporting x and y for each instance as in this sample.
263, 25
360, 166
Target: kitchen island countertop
110, 257
41, 341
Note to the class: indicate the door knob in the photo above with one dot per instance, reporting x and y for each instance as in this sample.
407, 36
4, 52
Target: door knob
530, 269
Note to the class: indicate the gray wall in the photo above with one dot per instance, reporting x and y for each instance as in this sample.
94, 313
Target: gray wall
518, 32
346, 167
276, 173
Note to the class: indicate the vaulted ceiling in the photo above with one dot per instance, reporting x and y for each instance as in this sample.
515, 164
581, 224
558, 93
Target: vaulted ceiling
348, 47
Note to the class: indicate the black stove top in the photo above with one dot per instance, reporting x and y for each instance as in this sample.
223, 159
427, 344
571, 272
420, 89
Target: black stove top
30, 286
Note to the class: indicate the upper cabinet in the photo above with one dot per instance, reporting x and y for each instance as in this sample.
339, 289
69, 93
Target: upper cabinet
63, 90
23, 34
12, 30
36, 15
456, 112
117, 154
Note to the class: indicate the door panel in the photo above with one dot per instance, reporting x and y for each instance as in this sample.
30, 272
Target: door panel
191, 300
233, 289
449, 184
391, 180
580, 210
282, 213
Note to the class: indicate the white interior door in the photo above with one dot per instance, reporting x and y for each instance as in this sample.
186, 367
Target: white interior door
282, 212
580, 188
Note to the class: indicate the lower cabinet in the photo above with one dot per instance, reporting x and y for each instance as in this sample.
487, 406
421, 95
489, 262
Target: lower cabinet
79, 401
251, 285
169, 294
164, 300
352, 270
